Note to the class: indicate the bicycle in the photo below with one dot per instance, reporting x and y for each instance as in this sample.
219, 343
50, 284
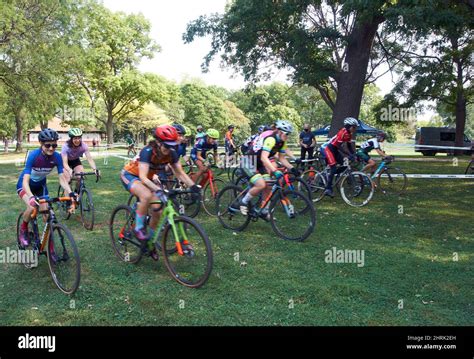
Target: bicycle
57, 243
185, 245
84, 200
385, 178
184, 202
290, 213
131, 152
356, 188
210, 185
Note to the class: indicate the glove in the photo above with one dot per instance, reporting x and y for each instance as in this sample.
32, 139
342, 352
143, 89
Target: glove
97, 172
294, 171
34, 201
278, 174
74, 196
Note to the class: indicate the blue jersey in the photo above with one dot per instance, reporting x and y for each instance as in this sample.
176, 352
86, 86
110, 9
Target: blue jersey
202, 146
38, 165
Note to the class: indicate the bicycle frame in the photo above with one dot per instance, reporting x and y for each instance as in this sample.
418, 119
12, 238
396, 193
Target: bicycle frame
379, 169
168, 216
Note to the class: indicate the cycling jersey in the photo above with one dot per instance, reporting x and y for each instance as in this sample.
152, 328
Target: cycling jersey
154, 158
38, 166
202, 146
72, 152
267, 141
342, 136
228, 137
370, 145
248, 143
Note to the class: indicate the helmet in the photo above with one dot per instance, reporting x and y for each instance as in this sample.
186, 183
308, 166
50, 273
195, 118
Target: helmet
179, 128
48, 135
284, 126
75, 132
187, 131
381, 135
199, 128
351, 121
230, 127
166, 134
261, 128
212, 133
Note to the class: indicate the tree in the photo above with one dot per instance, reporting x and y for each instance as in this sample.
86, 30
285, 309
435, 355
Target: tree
441, 68
114, 44
326, 44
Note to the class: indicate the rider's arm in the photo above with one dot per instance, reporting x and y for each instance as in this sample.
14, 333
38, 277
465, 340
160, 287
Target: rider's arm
269, 166
26, 185
199, 156
282, 159
90, 160
380, 152
181, 175
143, 169
62, 180
65, 164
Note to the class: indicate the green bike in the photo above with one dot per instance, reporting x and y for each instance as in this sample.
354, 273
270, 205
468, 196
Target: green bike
185, 246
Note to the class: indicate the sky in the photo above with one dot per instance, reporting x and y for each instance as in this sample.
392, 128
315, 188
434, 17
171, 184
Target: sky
177, 60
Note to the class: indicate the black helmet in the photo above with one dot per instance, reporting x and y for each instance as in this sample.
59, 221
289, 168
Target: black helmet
381, 136
230, 127
179, 128
48, 135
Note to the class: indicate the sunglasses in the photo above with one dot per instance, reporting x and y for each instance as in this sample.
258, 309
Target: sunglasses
49, 145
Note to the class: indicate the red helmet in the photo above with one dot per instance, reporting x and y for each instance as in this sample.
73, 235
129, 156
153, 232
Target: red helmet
166, 134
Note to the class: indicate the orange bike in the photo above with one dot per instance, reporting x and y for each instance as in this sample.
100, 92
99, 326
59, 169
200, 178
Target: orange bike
210, 186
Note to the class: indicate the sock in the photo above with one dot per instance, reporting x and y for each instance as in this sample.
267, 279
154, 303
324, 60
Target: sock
139, 221
247, 198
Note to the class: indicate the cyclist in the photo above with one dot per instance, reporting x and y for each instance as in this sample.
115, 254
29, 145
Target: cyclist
367, 147
199, 151
130, 142
229, 141
331, 150
248, 143
182, 140
269, 145
72, 152
200, 132
31, 184
137, 177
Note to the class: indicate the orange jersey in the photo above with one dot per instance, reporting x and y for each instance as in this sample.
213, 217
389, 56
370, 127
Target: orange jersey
155, 159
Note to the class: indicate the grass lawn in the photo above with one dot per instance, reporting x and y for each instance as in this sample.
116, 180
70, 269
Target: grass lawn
409, 245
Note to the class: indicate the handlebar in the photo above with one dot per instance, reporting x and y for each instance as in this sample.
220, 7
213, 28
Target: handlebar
84, 174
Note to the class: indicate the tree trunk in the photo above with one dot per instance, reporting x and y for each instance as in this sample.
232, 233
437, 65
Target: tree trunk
351, 80
460, 99
19, 132
5, 142
109, 127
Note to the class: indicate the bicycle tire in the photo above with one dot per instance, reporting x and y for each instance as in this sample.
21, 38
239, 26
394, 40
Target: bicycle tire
223, 209
128, 238
290, 196
208, 201
382, 182
171, 256
84, 209
54, 259
363, 180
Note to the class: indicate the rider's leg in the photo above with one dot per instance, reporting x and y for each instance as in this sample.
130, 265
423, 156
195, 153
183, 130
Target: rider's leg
76, 170
371, 166
145, 196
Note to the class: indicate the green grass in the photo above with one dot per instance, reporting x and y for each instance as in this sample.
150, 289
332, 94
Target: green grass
408, 257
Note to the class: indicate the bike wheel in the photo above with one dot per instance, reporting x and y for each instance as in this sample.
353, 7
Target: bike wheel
243, 181
316, 182
356, 189
87, 209
292, 215
237, 172
469, 168
126, 246
62, 207
63, 259
392, 180
209, 197
192, 265
231, 218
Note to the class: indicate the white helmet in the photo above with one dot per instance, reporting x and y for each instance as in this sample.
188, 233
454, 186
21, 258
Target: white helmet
351, 121
284, 126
